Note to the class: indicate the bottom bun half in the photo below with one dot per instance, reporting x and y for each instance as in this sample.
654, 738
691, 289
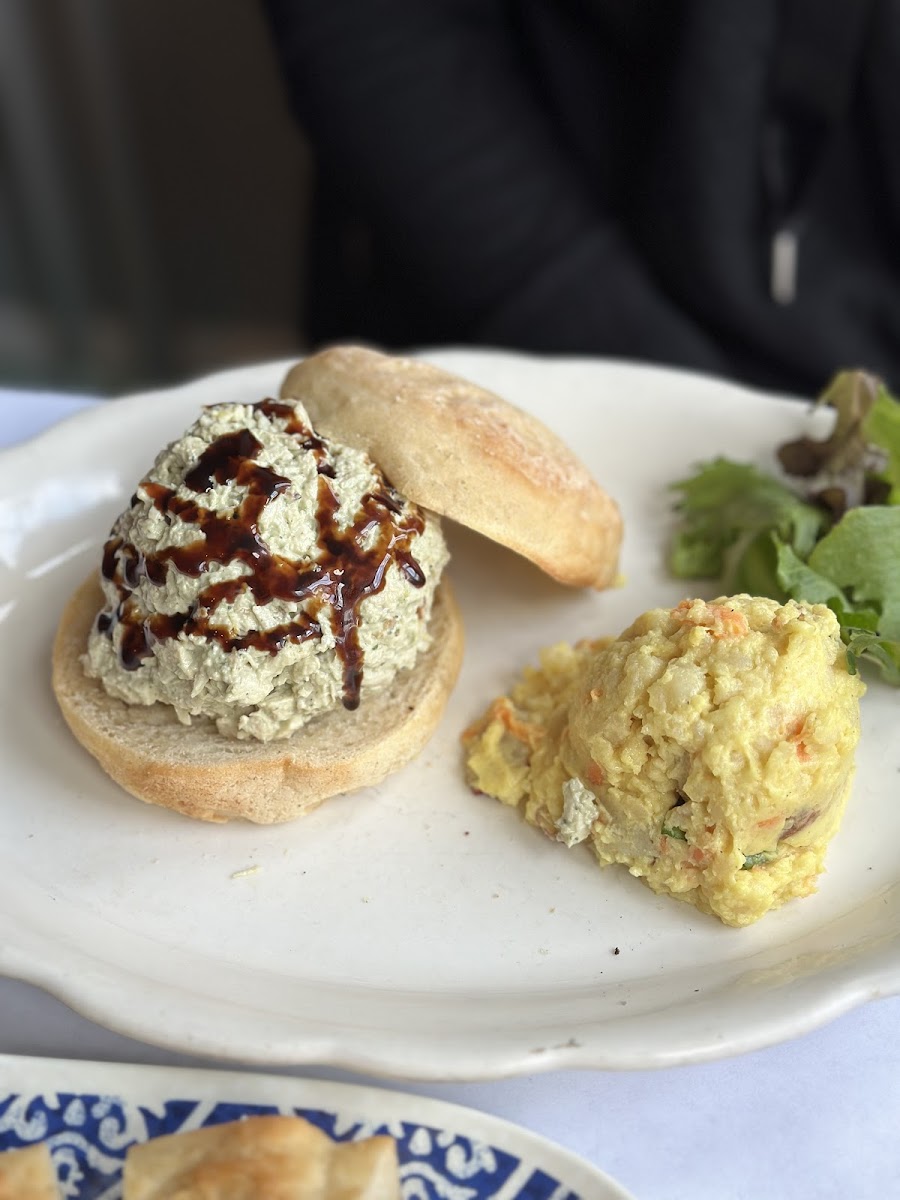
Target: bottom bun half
197, 771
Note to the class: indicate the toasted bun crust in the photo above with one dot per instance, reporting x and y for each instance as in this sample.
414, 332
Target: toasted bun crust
197, 771
467, 454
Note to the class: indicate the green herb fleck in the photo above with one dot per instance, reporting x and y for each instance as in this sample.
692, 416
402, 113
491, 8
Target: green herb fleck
757, 860
673, 831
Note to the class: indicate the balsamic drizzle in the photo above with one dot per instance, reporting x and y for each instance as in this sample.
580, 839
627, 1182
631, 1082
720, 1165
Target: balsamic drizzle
339, 578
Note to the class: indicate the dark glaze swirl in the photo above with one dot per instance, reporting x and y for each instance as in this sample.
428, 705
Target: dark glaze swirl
336, 581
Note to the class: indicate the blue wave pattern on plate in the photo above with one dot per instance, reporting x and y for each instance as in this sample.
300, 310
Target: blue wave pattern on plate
88, 1137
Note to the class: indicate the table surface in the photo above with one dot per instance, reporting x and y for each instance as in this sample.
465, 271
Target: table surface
817, 1118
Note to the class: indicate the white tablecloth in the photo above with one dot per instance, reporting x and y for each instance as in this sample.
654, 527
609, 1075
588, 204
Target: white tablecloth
814, 1119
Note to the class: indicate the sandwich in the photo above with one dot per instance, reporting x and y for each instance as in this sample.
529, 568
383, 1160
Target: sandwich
271, 624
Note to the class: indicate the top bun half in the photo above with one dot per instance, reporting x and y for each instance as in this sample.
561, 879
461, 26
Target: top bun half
466, 454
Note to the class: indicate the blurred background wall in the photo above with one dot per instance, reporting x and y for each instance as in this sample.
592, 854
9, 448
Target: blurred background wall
153, 193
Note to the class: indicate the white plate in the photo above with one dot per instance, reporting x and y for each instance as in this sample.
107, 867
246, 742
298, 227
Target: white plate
414, 929
90, 1113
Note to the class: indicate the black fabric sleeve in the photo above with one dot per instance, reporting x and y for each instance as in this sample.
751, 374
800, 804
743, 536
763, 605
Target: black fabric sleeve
426, 109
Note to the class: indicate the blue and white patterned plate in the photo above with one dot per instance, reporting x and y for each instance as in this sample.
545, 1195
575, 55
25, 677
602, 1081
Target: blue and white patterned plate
90, 1113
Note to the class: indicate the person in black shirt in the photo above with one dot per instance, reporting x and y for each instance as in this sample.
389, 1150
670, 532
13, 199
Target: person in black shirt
707, 183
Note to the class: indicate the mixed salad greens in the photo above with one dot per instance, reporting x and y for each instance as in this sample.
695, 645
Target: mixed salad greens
829, 535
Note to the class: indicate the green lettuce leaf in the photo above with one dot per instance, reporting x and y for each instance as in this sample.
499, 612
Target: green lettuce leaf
755, 568
756, 535
882, 427
863, 644
801, 582
855, 570
724, 508
862, 554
